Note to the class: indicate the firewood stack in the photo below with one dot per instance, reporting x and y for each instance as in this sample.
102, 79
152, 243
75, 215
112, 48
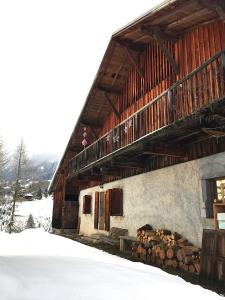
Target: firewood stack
165, 248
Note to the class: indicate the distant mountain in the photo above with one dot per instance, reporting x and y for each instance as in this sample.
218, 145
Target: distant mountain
45, 156
39, 167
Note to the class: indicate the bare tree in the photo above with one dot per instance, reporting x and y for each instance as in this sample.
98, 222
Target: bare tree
20, 158
3, 158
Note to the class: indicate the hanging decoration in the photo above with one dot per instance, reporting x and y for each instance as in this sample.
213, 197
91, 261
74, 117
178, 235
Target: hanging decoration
84, 142
108, 138
128, 124
116, 138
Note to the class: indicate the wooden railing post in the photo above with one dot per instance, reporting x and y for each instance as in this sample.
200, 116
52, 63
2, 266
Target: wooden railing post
223, 71
170, 105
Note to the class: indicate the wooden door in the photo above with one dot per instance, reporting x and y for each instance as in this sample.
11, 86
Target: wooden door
101, 224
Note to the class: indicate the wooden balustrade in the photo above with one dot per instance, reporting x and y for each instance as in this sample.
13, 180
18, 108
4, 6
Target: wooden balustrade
203, 86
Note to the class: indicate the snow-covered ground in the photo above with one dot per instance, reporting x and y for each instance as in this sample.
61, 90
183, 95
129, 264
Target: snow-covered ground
41, 210
36, 265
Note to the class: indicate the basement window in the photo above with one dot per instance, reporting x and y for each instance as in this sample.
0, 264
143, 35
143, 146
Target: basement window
87, 204
215, 193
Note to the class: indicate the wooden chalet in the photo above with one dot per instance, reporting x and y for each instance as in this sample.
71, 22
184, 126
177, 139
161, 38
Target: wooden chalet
155, 124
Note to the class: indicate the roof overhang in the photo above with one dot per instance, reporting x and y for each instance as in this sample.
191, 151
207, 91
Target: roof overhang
169, 19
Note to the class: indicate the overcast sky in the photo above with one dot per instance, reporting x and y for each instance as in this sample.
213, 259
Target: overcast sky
50, 52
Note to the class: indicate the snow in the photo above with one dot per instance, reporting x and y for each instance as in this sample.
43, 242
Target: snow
38, 208
36, 265
41, 210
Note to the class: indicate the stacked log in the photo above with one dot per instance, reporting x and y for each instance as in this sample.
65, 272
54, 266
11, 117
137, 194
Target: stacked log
165, 248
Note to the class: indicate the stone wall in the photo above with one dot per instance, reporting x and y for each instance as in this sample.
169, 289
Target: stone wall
172, 198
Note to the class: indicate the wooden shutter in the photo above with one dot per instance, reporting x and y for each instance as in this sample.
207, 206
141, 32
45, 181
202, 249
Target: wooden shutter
87, 204
211, 195
96, 212
107, 209
116, 203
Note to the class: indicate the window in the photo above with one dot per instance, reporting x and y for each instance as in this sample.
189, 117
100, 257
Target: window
116, 202
87, 204
215, 193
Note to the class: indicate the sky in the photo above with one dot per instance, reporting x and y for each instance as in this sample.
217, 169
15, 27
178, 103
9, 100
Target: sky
50, 51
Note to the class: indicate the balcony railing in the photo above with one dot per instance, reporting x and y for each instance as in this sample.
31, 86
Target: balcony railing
203, 86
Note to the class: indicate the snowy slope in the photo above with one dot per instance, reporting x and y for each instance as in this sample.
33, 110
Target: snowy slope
41, 210
35, 265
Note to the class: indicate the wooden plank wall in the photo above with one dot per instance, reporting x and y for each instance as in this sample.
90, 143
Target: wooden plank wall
190, 51
58, 197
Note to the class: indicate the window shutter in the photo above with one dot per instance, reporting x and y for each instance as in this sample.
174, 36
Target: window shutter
96, 212
107, 209
211, 195
116, 203
87, 204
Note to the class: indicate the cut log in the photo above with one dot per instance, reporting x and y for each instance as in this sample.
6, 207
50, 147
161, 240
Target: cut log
172, 252
191, 268
197, 266
174, 263
180, 255
162, 254
185, 268
188, 260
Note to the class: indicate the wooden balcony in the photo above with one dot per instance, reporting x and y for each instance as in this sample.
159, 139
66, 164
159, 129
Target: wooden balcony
177, 112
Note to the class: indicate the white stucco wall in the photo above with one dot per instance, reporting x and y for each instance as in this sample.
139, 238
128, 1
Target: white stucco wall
171, 198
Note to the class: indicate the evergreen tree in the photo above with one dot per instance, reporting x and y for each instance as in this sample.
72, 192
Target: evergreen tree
39, 194
30, 222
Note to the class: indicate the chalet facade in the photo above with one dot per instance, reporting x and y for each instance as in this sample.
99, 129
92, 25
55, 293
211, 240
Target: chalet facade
155, 125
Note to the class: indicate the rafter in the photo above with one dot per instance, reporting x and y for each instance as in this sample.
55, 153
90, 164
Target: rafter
135, 46
116, 112
130, 55
159, 37
134, 62
108, 90
215, 5
119, 69
89, 124
188, 18
174, 13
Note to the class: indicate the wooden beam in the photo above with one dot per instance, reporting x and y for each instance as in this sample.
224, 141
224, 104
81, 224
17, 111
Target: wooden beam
158, 37
88, 177
213, 132
127, 43
219, 118
134, 62
188, 18
105, 171
215, 5
89, 124
174, 13
128, 164
119, 69
112, 105
164, 151
186, 136
108, 90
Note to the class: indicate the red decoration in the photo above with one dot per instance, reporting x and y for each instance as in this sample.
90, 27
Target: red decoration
84, 142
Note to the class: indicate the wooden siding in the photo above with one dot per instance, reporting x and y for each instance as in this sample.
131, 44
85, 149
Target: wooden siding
190, 51
213, 255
